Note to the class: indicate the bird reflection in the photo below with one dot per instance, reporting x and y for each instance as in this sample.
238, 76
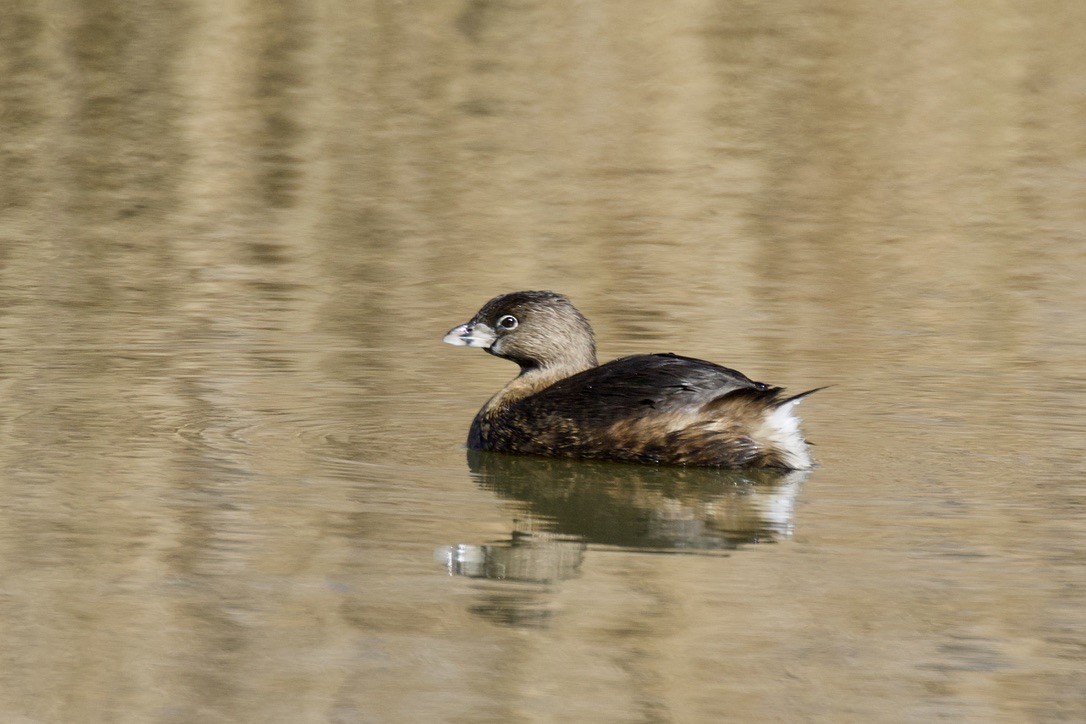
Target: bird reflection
567, 505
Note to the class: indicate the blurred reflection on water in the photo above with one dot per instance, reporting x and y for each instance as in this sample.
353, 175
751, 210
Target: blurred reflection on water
565, 505
231, 237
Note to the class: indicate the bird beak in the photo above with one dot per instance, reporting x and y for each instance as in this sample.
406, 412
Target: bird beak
471, 335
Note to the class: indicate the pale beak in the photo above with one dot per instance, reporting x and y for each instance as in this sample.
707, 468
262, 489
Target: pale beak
471, 335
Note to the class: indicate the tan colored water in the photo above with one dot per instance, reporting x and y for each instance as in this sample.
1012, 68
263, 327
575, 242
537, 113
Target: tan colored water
232, 482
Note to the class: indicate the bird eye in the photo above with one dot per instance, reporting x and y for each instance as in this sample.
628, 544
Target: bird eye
508, 321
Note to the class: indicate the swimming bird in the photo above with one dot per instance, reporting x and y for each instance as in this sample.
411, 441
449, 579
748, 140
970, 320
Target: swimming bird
647, 408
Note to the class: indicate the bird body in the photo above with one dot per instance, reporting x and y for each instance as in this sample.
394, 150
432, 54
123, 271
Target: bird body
648, 408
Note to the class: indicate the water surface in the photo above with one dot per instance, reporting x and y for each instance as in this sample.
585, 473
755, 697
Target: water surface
232, 477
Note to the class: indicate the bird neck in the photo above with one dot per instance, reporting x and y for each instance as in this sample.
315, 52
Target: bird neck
533, 379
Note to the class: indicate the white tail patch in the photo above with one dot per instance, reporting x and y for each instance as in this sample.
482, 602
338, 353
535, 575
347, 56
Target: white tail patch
780, 431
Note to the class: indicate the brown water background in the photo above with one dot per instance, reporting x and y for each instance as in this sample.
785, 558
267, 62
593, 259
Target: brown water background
232, 479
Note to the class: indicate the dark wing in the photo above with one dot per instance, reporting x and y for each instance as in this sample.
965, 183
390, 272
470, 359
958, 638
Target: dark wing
640, 385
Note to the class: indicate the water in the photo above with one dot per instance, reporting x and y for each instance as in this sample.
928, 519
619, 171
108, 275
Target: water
232, 477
